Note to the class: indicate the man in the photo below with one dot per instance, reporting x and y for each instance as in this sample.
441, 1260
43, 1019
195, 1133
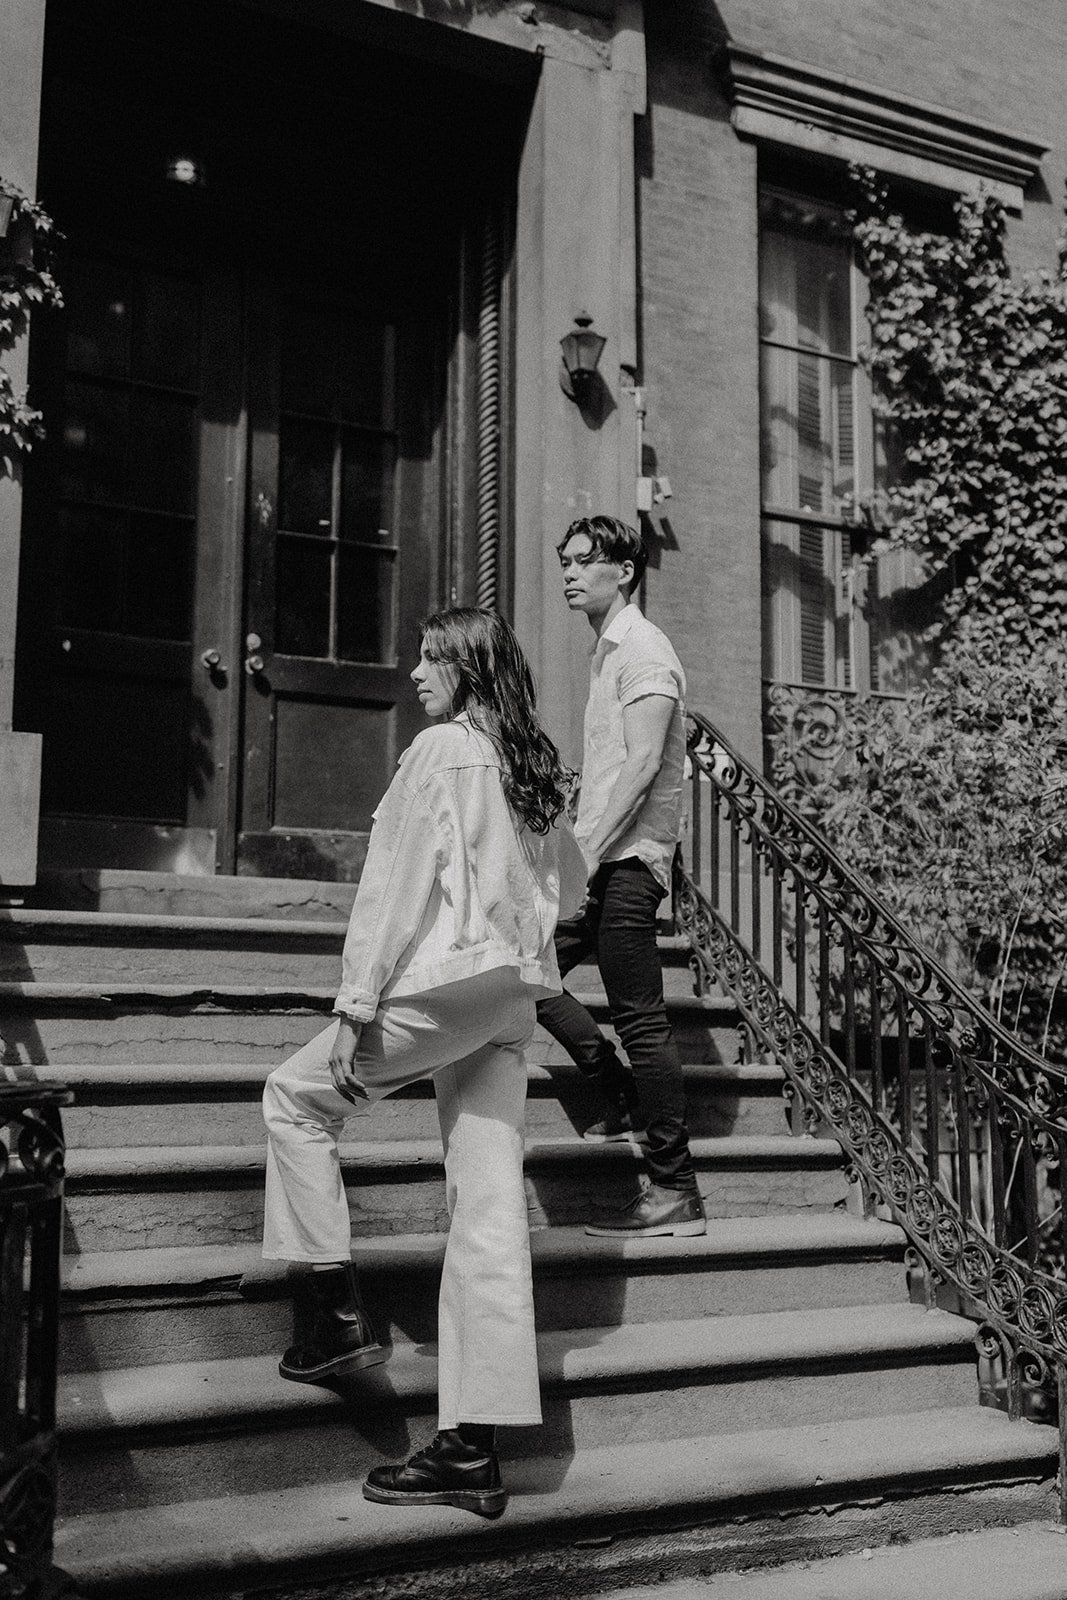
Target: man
628, 824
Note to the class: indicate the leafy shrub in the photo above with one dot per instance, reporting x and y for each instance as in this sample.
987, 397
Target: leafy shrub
952, 804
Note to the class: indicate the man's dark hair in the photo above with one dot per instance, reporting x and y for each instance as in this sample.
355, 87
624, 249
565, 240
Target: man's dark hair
612, 539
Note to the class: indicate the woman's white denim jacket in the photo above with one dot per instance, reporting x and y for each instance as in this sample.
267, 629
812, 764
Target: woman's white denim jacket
454, 884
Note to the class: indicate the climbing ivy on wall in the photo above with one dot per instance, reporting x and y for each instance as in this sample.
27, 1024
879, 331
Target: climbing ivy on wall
952, 801
27, 281
969, 368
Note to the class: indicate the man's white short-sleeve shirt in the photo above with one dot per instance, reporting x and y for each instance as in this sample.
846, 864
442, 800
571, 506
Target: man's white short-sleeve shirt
631, 659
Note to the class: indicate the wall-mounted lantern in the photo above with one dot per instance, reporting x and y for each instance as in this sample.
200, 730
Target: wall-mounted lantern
581, 348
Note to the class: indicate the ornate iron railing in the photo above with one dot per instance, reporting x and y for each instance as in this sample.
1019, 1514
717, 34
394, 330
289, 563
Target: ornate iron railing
951, 1125
31, 1222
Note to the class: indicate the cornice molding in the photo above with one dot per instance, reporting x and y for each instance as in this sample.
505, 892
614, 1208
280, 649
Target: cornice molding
799, 104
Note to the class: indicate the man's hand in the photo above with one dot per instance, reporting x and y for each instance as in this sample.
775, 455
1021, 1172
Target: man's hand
343, 1060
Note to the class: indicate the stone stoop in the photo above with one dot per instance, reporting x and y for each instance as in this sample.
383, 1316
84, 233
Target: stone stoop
1023, 1563
764, 1392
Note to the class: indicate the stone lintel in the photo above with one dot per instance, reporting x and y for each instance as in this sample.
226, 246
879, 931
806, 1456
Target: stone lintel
799, 105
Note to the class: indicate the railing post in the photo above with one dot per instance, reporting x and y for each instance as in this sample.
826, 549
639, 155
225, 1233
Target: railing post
31, 1223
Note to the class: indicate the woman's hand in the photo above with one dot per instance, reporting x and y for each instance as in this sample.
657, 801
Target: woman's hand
343, 1060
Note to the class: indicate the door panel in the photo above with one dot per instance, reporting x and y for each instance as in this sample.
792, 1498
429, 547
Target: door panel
123, 558
341, 563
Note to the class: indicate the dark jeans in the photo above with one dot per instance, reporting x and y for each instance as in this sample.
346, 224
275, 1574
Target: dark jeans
618, 926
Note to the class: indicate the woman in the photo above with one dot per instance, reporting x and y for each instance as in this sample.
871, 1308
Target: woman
470, 862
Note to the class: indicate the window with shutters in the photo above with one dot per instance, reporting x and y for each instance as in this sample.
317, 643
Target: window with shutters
829, 621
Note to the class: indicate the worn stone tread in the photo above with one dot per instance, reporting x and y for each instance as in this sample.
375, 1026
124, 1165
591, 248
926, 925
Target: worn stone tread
274, 1537
139, 995
19, 921
556, 1249
91, 1168
22, 996
1023, 1563
241, 1075
183, 1394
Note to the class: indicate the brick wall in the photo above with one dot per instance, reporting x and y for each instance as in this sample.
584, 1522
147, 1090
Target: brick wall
697, 243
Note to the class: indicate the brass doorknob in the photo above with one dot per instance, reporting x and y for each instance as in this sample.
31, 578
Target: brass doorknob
211, 660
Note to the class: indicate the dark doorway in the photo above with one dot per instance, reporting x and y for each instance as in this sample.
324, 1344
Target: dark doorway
258, 417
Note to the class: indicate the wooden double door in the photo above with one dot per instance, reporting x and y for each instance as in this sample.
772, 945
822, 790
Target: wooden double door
245, 523
263, 413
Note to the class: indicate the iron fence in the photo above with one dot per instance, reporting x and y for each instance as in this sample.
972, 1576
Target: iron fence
951, 1126
31, 1222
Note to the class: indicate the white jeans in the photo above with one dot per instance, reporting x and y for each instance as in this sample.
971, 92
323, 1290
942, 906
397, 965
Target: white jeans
469, 1037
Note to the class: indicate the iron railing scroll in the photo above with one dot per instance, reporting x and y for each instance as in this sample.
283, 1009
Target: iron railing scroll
31, 1222
951, 1126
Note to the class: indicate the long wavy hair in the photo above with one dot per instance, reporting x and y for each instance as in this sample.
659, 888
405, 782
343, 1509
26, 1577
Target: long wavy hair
496, 690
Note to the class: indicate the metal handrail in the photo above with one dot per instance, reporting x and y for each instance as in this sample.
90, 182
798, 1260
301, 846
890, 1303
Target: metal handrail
31, 1223
949, 1122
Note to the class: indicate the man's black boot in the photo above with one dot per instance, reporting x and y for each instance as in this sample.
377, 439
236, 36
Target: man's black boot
654, 1212
622, 1122
449, 1472
338, 1337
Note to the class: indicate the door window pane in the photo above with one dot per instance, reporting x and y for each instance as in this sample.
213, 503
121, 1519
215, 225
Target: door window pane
91, 547
99, 304
336, 584
159, 578
366, 604
306, 477
302, 591
366, 485
167, 331
163, 452
131, 447
95, 427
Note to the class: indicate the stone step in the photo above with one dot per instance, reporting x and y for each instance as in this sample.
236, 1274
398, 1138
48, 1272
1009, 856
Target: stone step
1022, 1563
130, 1197
122, 948
149, 1435
160, 1305
585, 1522
89, 1024
122, 892
220, 1104
104, 948
161, 894
98, 947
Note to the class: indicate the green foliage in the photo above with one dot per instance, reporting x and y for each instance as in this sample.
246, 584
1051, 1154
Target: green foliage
952, 805
969, 369
27, 281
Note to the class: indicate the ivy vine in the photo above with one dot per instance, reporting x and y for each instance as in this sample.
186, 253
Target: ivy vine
969, 369
27, 281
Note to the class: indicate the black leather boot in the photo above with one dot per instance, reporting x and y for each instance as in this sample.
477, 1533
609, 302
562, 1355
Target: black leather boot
622, 1121
449, 1472
337, 1337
